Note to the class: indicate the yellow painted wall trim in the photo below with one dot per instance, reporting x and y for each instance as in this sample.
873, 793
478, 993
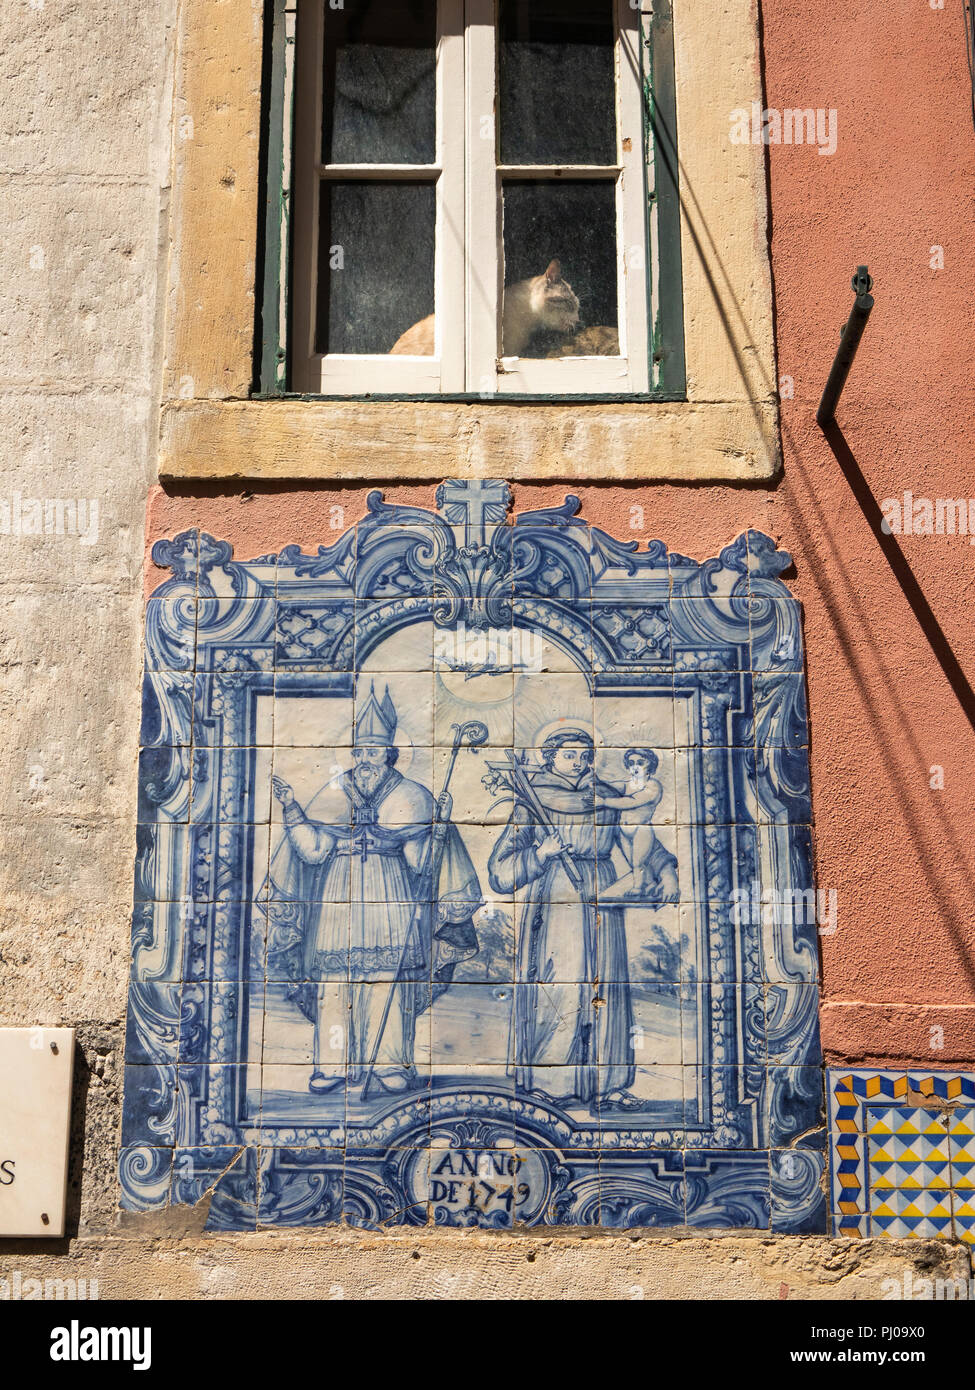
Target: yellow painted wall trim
289, 438
210, 310
727, 428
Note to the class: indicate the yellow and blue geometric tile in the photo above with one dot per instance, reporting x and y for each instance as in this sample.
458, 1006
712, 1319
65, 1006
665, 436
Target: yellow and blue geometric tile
963, 1216
899, 1213
902, 1153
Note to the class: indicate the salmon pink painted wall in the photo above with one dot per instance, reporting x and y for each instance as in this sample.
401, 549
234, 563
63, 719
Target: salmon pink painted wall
897, 851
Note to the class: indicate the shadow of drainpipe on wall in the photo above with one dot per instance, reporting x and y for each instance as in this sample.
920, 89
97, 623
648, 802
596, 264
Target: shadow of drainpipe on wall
826, 419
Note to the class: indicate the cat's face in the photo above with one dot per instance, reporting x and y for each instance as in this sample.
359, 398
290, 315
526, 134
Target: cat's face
553, 301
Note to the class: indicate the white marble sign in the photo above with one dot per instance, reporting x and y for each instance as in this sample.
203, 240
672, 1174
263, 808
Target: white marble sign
35, 1111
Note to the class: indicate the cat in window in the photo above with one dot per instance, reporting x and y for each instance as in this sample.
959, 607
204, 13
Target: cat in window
599, 340
542, 303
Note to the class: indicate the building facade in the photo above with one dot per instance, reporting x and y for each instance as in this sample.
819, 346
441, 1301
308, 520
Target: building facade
480, 755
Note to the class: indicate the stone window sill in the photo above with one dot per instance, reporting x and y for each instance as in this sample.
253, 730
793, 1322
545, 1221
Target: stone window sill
295, 438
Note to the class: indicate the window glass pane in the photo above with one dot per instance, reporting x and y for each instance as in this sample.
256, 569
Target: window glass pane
560, 294
379, 92
557, 82
375, 266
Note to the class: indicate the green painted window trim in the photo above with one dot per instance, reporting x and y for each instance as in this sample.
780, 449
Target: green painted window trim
274, 222
667, 365
666, 316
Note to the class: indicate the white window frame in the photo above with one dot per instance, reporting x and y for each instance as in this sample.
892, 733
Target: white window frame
469, 267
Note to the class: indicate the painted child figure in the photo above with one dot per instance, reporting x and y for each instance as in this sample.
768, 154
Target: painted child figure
654, 868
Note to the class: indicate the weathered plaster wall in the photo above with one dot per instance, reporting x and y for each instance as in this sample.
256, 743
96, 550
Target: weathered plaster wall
83, 146
883, 714
85, 130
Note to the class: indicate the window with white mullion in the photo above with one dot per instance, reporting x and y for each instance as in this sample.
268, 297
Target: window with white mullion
470, 198
570, 189
379, 235
484, 267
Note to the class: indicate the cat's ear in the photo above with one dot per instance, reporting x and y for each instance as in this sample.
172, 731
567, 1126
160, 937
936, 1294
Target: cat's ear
553, 272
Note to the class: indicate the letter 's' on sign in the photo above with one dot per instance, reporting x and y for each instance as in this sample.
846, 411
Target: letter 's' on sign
35, 1111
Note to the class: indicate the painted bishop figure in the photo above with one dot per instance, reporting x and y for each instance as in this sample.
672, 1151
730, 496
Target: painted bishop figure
379, 940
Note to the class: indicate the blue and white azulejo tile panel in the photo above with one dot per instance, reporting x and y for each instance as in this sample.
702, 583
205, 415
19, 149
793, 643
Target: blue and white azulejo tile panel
474, 882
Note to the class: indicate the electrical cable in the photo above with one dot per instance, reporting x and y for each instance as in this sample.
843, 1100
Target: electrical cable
970, 49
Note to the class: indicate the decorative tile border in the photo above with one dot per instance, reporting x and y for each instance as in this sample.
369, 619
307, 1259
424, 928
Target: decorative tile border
671, 1075
902, 1153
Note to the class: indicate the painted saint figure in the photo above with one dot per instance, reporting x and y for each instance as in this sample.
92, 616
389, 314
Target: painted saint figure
379, 940
561, 1042
654, 868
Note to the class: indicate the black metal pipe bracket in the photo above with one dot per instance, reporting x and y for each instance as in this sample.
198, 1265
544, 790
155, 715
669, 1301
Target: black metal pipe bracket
851, 333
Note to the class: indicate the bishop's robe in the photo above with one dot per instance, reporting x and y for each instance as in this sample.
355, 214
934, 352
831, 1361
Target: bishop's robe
356, 869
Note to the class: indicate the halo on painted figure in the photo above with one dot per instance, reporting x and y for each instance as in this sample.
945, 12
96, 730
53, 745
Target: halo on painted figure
562, 726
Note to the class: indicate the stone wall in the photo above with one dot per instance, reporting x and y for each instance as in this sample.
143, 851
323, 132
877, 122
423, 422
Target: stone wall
83, 199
